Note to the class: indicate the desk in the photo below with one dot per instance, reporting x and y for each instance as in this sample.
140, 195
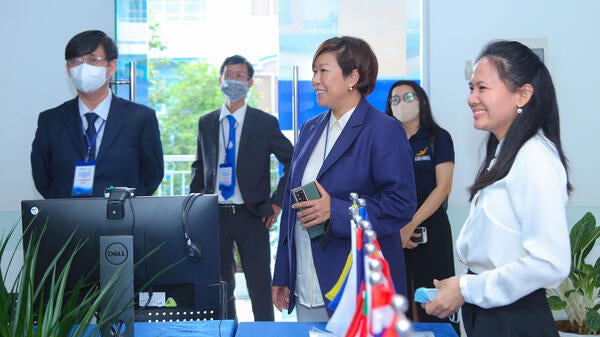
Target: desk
182, 329
300, 329
185, 329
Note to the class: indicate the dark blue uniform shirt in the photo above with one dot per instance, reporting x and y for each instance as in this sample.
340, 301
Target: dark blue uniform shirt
427, 154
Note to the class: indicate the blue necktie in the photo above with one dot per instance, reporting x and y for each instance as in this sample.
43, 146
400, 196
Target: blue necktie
91, 133
227, 191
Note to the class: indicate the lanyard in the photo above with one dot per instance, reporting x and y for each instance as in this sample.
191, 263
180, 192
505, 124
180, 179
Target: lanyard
326, 139
225, 144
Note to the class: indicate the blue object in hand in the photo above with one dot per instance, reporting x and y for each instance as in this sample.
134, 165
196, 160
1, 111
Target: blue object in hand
424, 295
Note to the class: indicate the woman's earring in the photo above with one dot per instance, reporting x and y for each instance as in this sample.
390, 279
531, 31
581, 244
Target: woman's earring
350, 88
519, 110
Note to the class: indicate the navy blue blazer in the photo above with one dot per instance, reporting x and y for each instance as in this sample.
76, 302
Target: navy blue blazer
371, 157
260, 137
130, 153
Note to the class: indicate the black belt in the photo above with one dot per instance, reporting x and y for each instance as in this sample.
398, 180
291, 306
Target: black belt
231, 209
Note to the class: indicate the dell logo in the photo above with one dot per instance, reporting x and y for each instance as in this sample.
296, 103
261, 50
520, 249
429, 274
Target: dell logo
116, 253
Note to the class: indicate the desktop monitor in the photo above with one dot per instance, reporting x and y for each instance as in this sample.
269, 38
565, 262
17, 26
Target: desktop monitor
185, 227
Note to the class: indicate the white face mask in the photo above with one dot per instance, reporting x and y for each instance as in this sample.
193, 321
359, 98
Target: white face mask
406, 112
87, 78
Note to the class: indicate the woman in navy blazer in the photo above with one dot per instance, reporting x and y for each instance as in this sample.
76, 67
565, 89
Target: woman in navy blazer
368, 154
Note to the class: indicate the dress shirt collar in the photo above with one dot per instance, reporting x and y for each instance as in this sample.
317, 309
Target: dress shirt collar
498, 149
421, 133
101, 110
343, 120
238, 114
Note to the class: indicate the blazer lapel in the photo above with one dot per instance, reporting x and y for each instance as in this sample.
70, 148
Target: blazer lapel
74, 126
312, 134
114, 122
245, 135
212, 135
347, 137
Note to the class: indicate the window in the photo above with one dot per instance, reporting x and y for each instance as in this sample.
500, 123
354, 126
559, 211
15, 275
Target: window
264, 7
177, 10
136, 11
179, 45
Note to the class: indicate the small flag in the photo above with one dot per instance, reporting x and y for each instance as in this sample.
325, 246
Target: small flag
335, 293
346, 298
364, 298
382, 293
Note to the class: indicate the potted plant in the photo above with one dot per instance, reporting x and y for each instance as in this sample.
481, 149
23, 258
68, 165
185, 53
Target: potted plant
579, 294
63, 313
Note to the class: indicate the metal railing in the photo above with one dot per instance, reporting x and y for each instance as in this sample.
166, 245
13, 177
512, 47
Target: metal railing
178, 174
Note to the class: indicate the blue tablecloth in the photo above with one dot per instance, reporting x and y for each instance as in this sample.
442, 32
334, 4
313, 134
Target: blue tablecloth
300, 329
183, 329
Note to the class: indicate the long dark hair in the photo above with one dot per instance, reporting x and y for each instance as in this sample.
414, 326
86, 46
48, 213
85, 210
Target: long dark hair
517, 65
426, 120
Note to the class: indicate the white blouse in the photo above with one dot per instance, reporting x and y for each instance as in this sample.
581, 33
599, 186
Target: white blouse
516, 237
308, 290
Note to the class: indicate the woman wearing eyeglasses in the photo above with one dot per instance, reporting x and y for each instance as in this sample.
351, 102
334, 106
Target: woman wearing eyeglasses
428, 254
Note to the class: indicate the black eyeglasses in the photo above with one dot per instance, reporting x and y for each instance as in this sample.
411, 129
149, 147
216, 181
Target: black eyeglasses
408, 97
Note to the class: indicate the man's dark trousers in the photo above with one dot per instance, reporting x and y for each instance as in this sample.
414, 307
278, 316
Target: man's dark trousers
252, 239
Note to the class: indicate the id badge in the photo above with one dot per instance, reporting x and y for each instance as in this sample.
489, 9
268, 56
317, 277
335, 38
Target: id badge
225, 175
83, 182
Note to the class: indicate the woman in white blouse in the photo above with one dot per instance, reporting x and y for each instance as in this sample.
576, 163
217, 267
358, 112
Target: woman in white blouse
515, 241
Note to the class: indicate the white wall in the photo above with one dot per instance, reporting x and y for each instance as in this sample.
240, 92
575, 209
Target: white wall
34, 35
458, 30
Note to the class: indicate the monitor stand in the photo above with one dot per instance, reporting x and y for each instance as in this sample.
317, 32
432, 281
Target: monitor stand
116, 267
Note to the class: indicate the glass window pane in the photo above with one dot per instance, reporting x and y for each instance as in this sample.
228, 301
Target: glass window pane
179, 46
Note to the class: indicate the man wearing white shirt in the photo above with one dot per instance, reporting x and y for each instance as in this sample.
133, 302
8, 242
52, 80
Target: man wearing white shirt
71, 157
247, 208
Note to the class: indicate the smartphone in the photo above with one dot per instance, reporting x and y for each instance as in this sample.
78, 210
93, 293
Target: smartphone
422, 238
305, 193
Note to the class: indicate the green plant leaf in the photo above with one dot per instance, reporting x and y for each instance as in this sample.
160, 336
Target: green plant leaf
44, 307
583, 237
556, 303
597, 273
579, 293
592, 321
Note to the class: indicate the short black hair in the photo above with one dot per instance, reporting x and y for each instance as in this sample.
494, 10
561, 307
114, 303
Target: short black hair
353, 53
237, 59
86, 42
